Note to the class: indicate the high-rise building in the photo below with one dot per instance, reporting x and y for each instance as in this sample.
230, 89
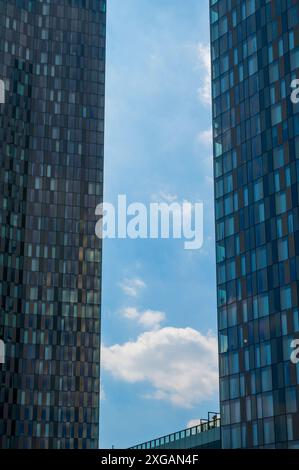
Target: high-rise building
52, 62
255, 57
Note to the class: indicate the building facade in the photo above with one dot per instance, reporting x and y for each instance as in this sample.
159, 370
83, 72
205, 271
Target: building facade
52, 62
255, 58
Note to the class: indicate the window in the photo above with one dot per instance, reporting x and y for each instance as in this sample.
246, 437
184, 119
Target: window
220, 252
258, 190
273, 72
261, 256
294, 59
233, 338
232, 315
234, 387
263, 305
283, 252
229, 227
234, 17
269, 434
214, 14
225, 415
220, 230
231, 270
285, 298
235, 411
236, 437
222, 318
255, 433
261, 212
234, 362
252, 65
221, 296
281, 203
266, 386
291, 400
223, 342
228, 205
278, 157
276, 115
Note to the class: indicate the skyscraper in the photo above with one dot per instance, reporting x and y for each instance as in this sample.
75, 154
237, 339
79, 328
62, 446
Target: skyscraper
255, 57
52, 62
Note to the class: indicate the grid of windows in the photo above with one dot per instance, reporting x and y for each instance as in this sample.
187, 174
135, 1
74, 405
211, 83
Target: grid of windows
255, 57
52, 59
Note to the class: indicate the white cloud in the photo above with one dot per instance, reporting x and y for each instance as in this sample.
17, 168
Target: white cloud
192, 423
130, 312
148, 319
204, 91
132, 287
180, 365
151, 319
206, 138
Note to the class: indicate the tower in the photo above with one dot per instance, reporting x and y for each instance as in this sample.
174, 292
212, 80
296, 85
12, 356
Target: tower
255, 58
52, 62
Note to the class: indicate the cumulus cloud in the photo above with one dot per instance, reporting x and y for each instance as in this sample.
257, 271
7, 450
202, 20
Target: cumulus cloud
179, 365
131, 313
148, 319
151, 319
204, 91
132, 287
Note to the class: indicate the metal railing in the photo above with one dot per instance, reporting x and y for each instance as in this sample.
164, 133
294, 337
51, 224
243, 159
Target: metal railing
204, 426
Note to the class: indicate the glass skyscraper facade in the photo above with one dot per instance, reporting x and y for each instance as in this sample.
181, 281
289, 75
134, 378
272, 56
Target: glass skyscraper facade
52, 61
255, 57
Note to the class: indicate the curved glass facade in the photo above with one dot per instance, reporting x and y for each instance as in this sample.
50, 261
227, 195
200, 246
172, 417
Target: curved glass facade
52, 61
255, 57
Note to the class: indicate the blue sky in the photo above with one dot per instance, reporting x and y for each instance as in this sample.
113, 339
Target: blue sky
159, 369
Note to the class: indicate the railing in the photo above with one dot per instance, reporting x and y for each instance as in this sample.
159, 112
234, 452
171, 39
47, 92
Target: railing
204, 426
